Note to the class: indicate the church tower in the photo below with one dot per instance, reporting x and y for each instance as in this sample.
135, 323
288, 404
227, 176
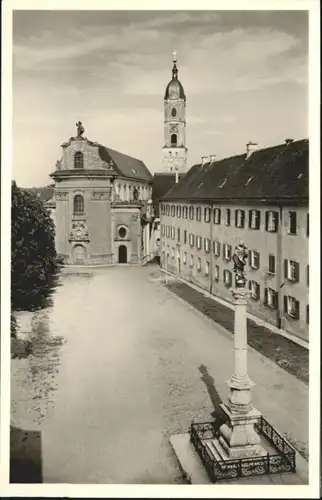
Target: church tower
174, 149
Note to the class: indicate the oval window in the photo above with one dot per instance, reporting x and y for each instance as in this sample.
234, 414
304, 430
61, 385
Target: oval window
174, 112
122, 232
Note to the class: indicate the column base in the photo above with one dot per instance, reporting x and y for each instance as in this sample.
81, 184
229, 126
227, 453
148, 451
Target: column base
237, 437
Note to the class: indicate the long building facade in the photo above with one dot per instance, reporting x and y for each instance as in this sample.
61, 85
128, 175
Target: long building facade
261, 199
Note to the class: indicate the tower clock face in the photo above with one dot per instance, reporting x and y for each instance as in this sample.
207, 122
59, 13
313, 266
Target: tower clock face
174, 112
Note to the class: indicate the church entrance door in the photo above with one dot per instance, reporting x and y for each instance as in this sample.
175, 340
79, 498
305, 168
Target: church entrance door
122, 254
79, 254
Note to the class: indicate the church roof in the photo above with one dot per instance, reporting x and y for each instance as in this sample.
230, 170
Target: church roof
125, 165
44, 194
162, 183
277, 174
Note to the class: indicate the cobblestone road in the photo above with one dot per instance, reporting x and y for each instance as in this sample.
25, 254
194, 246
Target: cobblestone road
119, 364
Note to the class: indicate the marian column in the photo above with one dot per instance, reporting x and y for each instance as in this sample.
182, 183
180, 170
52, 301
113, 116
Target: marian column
237, 437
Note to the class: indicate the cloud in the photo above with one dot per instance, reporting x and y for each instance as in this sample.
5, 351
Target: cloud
110, 70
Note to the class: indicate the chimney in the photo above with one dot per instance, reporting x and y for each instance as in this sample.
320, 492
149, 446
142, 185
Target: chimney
204, 160
212, 158
250, 148
288, 141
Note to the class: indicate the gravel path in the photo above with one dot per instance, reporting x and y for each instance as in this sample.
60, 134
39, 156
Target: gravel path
120, 364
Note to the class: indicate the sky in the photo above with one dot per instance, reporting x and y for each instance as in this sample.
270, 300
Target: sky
245, 75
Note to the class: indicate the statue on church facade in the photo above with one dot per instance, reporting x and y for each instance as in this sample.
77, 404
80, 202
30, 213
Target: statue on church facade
239, 258
80, 129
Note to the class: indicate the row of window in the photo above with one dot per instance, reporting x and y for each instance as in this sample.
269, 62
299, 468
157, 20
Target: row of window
254, 217
291, 305
291, 267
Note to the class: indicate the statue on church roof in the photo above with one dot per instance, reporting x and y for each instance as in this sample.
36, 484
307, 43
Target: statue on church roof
80, 129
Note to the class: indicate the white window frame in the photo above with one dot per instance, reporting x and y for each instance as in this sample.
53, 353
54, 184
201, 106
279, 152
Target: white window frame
271, 297
254, 217
227, 251
291, 306
198, 242
272, 222
191, 260
289, 221
207, 245
227, 222
291, 270
239, 220
272, 273
185, 257
217, 215
199, 264
227, 274
207, 264
207, 214
216, 248
216, 273
253, 253
191, 239
198, 214
253, 290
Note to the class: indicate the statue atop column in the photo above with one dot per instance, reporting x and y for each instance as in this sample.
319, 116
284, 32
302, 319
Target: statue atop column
239, 258
80, 129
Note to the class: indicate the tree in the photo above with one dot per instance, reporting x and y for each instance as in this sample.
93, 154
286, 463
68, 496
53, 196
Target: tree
34, 263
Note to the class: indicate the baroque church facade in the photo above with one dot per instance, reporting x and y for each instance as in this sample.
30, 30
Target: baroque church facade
102, 204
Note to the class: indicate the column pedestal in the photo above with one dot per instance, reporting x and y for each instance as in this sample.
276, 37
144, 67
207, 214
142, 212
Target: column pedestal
237, 437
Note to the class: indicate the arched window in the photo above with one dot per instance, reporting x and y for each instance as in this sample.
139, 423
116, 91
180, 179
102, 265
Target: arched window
174, 112
173, 139
78, 160
78, 204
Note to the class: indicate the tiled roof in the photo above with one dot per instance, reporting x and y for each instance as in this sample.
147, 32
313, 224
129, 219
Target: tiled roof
44, 194
274, 174
162, 183
126, 165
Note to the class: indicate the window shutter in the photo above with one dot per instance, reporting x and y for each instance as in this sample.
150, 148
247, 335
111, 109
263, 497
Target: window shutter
250, 219
297, 309
265, 296
285, 268
224, 250
249, 284
266, 220
297, 272
276, 300
236, 218
275, 218
242, 218
258, 219
257, 259
257, 291
250, 258
218, 246
285, 304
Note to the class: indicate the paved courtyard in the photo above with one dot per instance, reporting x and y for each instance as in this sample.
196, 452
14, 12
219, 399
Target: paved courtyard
119, 364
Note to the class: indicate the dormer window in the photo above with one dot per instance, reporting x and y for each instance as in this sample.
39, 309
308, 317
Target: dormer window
134, 171
223, 183
78, 160
173, 139
249, 180
174, 112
